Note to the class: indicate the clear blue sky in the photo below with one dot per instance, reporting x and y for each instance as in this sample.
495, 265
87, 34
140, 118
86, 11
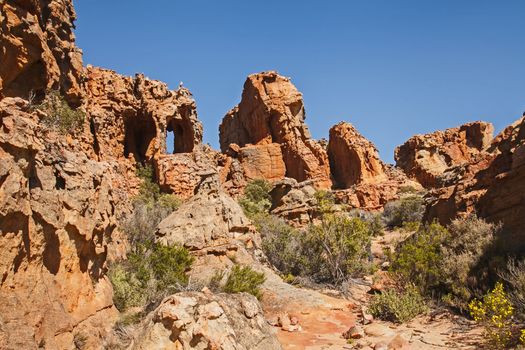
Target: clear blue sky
393, 68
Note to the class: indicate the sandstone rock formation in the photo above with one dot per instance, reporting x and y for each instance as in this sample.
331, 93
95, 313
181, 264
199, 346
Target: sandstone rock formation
57, 215
426, 157
131, 116
213, 226
197, 320
294, 201
37, 49
493, 186
268, 125
353, 159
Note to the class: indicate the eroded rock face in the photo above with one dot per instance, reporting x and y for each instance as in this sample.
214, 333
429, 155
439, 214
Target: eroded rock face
197, 320
271, 116
57, 214
493, 186
353, 159
37, 49
131, 116
427, 157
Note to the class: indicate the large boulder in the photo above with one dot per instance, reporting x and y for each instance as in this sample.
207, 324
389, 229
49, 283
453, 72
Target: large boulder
197, 320
37, 49
271, 116
353, 158
425, 158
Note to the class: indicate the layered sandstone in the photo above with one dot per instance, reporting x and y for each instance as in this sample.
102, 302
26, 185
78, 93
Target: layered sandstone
268, 126
427, 157
353, 159
58, 213
493, 186
37, 49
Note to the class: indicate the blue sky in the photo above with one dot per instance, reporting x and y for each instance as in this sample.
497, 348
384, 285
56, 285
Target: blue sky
393, 68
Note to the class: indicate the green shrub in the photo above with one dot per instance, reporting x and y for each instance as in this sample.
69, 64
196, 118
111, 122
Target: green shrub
244, 279
127, 289
281, 243
418, 258
169, 265
151, 271
446, 262
398, 306
335, 249
461, 253
325, 202
407, 209
58, 113
256, 199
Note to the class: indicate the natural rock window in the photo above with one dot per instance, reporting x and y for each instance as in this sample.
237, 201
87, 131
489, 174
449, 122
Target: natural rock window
139, 132
179, 137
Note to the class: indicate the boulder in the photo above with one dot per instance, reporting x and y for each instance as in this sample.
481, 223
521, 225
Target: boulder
425, 158
271, 112
196, 320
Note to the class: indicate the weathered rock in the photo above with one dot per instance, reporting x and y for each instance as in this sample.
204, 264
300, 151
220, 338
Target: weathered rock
353, 159
205, 321
131, 116
493, 186
57, 216
211, 225
271, 111
37, 49
294, 201
427, 157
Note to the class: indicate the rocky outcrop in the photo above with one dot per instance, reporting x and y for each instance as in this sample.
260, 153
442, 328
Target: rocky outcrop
294, 201
131, 117
427, 157
213, 227
37, 49
493, 186
58, 213
197, 320
268, 125
353, 159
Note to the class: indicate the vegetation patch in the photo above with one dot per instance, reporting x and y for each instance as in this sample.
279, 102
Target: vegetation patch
398, 306
59, 114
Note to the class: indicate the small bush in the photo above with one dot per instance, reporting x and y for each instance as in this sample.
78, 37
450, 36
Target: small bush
58, 113
337, 248
407, 209
281, 243
151, 271
418, 258
244, 279
398, 306
256, 199
495, 313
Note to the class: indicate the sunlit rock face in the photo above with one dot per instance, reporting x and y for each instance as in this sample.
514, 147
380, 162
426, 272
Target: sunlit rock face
268, 125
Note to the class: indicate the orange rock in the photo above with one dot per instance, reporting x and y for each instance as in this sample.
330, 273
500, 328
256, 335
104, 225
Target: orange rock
353, 159
426, 157
271, 111
37, 49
